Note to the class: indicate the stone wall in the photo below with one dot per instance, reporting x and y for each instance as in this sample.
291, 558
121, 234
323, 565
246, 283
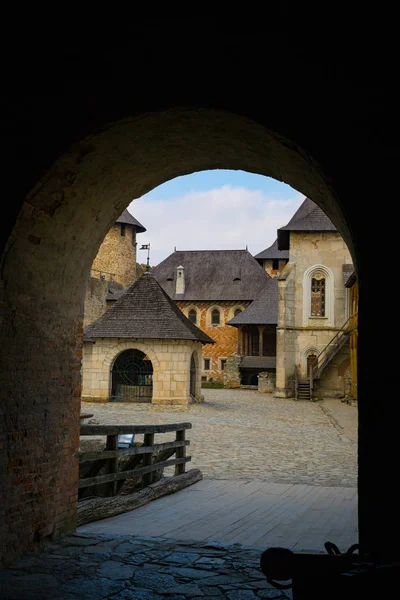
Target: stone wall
95, 300
266, 382
171, 368
225, 336
117, 255
268, 266
232, 372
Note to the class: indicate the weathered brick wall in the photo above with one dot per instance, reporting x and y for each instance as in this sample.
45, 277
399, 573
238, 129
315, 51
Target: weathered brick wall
171, 368
117, 254
225, 336
95, 300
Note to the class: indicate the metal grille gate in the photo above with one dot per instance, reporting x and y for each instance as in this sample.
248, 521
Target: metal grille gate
132, 378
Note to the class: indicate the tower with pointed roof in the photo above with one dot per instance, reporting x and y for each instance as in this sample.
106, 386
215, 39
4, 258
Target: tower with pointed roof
114, 268
312, 307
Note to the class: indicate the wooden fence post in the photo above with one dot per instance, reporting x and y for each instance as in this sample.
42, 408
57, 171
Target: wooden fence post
180, 452
148, 459
112, 465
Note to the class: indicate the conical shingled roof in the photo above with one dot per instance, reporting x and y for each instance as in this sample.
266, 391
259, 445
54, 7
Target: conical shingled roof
308, 217
264, 308
145, 311
127, 218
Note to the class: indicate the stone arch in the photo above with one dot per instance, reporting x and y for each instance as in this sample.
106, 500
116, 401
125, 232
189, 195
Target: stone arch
56, 234
304, 356
329, 317
114, 352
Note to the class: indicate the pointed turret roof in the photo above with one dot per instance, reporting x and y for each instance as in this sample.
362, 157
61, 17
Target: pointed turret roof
145, 311
308, 217
127, 218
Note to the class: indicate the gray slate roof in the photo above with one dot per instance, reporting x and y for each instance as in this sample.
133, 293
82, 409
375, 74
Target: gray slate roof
347, 271
272, 252
212, 275
308, 217
258, 362
127, 218
145, 311
264, 308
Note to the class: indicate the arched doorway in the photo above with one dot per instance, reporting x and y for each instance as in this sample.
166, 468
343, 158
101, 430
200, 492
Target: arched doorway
193, 377
132, 377
64, 216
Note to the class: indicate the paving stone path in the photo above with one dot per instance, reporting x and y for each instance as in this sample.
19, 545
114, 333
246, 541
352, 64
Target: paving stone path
88, 567
241, 434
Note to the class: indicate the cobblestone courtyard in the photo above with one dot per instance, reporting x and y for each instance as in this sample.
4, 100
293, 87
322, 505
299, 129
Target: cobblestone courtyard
241, 434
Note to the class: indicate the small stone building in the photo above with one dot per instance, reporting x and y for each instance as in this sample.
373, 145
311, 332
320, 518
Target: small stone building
143, 349
211, 287
114, 268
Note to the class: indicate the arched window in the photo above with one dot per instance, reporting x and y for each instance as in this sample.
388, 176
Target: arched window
193, 315
215, 316
318, 295
237, 312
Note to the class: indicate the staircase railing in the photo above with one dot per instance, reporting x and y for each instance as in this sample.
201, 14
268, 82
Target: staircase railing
296, 381
332, 348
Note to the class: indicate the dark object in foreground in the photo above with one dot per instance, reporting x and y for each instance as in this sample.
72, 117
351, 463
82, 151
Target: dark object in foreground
330, 576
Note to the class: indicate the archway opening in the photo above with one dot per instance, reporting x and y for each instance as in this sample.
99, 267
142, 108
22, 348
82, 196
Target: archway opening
56, 238
132, 377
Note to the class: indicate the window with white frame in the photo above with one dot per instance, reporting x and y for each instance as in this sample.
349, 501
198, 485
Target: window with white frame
318, 295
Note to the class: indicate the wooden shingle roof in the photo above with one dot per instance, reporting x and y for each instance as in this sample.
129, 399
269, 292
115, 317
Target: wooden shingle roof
308, 217
212, 275
127, 218
264, 308
145, 311
272, 252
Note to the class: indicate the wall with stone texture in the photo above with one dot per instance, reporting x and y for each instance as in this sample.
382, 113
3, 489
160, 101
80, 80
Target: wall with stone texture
95, 300
225, 336
268, 266
171, 368
266, 382
117, 255
296, 337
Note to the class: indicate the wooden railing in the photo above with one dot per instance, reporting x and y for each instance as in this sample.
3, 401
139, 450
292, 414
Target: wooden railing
146, 460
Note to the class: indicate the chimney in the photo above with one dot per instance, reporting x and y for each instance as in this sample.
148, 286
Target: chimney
180, 280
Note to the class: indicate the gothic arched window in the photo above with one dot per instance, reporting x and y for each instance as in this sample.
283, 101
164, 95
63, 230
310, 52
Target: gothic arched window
318, 295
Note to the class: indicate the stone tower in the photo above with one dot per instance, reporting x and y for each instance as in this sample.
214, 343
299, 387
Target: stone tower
114, 268
116, 258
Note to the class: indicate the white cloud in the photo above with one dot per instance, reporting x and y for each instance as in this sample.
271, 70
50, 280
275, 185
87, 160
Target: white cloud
225, 218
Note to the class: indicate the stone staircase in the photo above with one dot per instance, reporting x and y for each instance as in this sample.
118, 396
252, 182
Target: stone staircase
304, 387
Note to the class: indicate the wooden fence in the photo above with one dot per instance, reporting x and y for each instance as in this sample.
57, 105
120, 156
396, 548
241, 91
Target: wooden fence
146, 460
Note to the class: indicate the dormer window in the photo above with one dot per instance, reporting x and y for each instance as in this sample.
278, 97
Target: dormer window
275, 264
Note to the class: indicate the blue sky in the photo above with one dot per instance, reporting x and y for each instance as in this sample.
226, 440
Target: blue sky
213, 210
